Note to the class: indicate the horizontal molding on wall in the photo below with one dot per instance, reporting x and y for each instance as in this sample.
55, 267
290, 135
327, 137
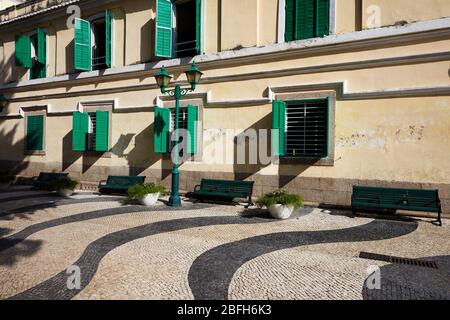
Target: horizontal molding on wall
343, 94
270, 94
386, 36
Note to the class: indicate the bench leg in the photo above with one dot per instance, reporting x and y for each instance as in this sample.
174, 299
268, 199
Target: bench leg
250, 203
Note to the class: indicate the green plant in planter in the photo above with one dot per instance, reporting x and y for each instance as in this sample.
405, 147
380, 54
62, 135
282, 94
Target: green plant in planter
138, 191
280, 197
65, 183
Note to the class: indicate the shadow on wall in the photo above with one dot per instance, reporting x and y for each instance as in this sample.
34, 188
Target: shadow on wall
286, 173
11, 146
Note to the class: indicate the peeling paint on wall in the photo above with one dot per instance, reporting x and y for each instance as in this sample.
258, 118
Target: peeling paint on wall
411, 133
369, 139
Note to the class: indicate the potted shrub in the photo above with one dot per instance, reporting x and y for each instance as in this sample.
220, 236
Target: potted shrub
5, 180
65, 187
280, 203
147, 194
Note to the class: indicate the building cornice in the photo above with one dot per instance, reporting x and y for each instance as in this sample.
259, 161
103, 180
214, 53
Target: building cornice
419, 31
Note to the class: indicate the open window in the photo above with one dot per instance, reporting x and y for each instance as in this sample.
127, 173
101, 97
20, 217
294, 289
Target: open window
93, 43
31, 53
178, 28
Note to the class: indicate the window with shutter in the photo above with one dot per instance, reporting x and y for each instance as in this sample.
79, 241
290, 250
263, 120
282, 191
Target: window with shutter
39, 55
35, 133
307, 124
23, 51
187, 35
305, 19
82, 48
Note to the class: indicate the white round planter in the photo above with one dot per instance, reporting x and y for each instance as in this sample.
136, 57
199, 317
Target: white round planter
279, 211
149, 199
65, 192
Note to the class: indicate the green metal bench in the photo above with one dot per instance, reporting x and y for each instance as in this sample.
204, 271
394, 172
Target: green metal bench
378, 198
46, 180
119, 184
223, 190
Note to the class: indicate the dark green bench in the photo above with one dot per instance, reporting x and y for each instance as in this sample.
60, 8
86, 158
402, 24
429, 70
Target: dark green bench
119, 184
223, 190
378, 198
46, 180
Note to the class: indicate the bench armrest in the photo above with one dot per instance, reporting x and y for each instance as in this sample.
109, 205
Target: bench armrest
102, 183
197, 188
34, 179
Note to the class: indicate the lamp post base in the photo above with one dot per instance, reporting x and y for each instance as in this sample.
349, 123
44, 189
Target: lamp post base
175, 200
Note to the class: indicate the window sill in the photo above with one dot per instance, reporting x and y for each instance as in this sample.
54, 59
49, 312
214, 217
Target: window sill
97, 154
325, 162
34, 153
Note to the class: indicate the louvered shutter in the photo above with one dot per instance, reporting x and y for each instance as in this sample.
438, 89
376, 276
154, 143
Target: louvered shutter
83, 50
322, 18
102, 131
35, 133
192, 121
108, 38
163, 38
198, 26
279, 126
23, 51
161, 130
289, 12
80, 129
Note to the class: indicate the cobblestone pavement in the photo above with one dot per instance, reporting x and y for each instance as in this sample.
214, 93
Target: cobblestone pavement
204, 251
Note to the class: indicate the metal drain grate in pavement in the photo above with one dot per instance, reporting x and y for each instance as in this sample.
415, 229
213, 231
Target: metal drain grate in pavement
400, 260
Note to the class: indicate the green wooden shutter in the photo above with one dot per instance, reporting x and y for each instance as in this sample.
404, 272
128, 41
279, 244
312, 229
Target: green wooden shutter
23, 51
79, 131
108, 18
279, 122
328, 129
305, 19
322, 18
102, 131
35, 133
42, 46
192, 120
83, 50
198, 26
289, 16
162, 128
163, 38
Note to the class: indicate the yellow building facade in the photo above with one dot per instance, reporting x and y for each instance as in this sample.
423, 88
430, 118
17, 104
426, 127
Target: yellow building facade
377, 71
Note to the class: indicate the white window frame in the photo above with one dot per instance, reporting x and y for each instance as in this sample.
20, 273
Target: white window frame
282, 19
91, 19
